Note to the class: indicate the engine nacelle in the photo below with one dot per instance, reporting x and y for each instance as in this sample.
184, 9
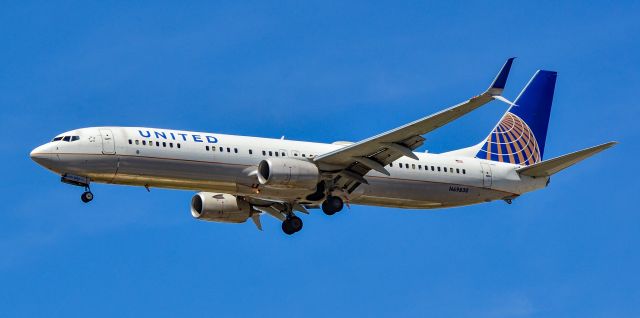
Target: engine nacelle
288, 173
220, 207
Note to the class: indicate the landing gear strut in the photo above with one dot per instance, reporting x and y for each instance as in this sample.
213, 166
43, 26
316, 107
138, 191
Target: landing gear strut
332, 204
291, 224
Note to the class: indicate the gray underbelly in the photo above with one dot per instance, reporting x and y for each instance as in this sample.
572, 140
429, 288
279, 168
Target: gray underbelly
420, 194
177, 173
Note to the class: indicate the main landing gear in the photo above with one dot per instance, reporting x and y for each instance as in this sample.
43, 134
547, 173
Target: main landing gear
291, 224
332, 204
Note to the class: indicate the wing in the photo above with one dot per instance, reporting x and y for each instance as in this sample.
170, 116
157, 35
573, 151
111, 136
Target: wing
351, 163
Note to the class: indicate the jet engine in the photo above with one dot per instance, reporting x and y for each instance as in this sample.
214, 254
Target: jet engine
220, 207
287, 173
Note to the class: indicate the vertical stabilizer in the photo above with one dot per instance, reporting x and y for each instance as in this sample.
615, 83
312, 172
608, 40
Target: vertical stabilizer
520, 136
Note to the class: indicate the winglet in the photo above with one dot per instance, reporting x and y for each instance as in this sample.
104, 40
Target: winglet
500, 81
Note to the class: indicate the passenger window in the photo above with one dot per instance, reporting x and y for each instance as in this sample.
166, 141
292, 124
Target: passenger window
451, 170
137, 142
413, 166
164, 144
228, 149
419, 167
235, 150
270, 153
250, 152
400, 165
445, 169
130, 142
303, 155
464, 171
171, 144
264, 153
283, 154
144, 142
438, 169
206, 148
178, 145
221, 149
432, 168
457, 170
391, 165
276, 153
213, 148
157, 144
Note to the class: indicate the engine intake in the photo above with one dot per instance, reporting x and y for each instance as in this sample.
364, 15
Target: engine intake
220, 207
288, 173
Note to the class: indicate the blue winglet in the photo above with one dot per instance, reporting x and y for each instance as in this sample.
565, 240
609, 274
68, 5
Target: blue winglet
500, 81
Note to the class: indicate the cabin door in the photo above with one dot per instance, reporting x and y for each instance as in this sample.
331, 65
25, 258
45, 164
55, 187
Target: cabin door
487, 178
108, 145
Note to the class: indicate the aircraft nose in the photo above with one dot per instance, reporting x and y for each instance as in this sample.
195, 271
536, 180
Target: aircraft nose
43, 156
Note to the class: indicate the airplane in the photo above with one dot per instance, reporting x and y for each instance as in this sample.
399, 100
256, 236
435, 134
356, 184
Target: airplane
238, 178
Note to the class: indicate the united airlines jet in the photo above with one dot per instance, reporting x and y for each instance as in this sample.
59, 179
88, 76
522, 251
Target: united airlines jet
239, 178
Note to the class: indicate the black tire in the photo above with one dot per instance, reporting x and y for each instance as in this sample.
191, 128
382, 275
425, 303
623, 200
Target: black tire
326, 208
295, 223
86, 197
332, 205
286, 227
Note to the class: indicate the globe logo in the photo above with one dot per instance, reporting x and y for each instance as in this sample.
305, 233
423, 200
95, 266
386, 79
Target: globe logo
511, 141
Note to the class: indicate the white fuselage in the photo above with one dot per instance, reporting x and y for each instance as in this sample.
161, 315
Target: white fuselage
224, 163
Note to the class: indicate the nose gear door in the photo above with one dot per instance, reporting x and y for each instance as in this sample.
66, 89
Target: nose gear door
108, 144
487, 178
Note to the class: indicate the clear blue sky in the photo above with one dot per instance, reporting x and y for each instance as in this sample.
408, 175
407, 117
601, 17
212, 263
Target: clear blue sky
317, 71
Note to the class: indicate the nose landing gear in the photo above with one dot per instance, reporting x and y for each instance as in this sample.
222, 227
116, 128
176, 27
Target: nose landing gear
79, 181
87, 196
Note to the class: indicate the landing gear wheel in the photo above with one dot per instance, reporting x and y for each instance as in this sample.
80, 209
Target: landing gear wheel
296, 223
86, 197
291, 225
332, 204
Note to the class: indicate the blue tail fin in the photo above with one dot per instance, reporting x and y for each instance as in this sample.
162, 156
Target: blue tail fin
520, 135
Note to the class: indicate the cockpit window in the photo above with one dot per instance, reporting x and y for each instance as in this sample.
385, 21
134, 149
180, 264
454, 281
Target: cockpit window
67, 138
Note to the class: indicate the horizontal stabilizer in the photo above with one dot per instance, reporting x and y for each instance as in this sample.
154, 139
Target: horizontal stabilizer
551, 166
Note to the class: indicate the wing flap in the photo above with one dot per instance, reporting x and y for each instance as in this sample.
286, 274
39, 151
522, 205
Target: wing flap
548, 167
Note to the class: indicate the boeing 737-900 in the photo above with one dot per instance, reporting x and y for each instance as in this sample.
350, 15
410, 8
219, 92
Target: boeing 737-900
239, 178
